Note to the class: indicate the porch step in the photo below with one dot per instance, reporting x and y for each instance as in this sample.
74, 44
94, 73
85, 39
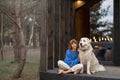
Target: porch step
53, 76
112, 73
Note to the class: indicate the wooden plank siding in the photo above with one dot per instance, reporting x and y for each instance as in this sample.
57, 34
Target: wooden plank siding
82, 23
43, 36
116, 47
57, 28
63, 37
50, 32
63, 34
56, 31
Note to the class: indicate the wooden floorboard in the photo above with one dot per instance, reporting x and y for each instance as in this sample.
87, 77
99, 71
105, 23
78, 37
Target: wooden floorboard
111, 73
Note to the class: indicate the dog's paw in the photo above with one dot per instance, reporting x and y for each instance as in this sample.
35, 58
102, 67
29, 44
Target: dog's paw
92, 72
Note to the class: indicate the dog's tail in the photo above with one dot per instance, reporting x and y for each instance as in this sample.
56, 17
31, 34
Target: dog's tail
101, 68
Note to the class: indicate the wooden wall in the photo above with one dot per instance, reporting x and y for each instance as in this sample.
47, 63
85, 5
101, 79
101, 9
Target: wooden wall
57, 27
43, 35
116, 47
56, 31
82, 23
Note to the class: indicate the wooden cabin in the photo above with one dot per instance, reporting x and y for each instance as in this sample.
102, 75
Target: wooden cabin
62, 20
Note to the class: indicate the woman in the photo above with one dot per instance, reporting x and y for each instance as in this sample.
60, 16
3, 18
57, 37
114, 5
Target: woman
71, 62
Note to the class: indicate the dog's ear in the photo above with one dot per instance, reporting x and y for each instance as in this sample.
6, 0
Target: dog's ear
88, 40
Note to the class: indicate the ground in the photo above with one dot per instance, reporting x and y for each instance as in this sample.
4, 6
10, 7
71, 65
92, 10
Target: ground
30, 71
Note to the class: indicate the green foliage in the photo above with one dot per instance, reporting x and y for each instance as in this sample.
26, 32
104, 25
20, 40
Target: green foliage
96, 13
26, 12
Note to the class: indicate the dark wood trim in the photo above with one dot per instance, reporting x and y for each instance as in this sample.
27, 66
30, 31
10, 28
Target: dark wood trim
51, 32
116, 36
43, 36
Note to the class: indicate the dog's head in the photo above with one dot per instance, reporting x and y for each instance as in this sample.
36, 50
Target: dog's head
84, 43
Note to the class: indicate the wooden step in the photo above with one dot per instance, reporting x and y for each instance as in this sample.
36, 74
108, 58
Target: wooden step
111, 73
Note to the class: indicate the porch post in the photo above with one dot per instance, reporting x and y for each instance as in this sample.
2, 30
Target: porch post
43, 36
116, 53
51, 32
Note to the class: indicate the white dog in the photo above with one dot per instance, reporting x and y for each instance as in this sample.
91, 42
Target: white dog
88, 58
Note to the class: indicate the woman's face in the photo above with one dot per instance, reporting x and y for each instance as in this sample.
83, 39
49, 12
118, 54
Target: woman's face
74, 45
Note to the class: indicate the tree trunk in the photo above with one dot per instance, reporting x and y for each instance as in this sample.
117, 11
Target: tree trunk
21, 41
31, 36
22, 52
32, 30
15, 17
1, 44
35, 38
15, 44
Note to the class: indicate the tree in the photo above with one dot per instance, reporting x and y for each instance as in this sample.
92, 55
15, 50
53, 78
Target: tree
96, 13
15, 17
21, 40
1, 37
31, 20
18, 14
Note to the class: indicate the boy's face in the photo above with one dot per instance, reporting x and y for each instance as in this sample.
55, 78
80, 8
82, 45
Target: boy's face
74, 45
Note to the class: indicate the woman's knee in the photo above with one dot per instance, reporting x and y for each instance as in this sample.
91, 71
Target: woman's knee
81, 65
60, 62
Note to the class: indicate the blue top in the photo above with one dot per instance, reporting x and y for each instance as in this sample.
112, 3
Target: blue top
71, 58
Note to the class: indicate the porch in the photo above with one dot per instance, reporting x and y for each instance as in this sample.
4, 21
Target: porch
61, 29
111, 73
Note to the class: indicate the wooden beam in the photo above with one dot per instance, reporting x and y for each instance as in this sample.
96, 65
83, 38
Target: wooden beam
82, 23
43, 36
51, 32
116, 48
62, 30
57, 34
56, 31
93, 2
88, 4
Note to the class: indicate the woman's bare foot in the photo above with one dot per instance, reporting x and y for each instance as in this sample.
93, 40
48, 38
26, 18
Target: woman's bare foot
77, 72
67, 71
60, 71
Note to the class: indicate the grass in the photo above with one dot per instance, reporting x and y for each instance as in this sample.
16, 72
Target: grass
30, 71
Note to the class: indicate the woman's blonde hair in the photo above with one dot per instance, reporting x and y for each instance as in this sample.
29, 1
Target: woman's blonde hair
71, 42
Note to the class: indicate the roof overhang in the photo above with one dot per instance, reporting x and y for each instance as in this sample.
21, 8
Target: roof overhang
77, 4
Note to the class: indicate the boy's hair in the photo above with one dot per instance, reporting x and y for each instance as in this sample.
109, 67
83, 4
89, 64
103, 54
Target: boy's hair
71, 42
